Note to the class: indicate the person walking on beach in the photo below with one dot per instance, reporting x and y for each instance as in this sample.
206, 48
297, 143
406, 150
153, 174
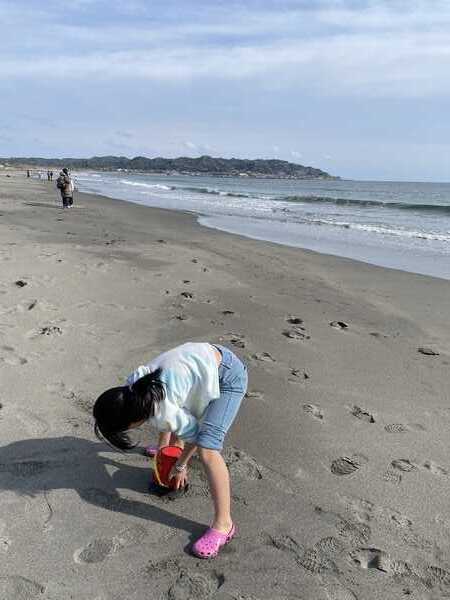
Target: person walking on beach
65, 185
191, 394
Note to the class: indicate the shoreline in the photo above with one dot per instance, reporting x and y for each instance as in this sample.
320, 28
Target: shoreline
340, 445
415, 251
197, 217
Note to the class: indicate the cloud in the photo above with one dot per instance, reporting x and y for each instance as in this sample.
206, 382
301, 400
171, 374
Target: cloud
193, 147
380, 49
193, 76
190, 145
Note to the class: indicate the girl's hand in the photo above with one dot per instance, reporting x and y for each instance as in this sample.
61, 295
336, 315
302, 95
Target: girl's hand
178, 478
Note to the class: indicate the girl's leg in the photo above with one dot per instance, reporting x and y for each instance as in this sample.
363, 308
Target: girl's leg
219, 485
216, 422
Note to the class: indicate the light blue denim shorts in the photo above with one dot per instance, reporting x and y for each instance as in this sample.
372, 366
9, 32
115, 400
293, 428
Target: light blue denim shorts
222, 411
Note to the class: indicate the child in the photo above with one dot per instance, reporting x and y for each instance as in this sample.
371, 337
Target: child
192, 392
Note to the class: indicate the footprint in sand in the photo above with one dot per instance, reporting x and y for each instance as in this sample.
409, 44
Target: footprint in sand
316, 562
244, 467
404, 465
377, 334
236, 339
350, 533
362, 414
434, 468
427, 351
397, 468
99, 549
21, 307
296, 333
339, 325
46, 330
16, 587
403, 427
9, 356
434, 576
191, 584
255, 394
264, 357
314, 411
402, 527
242, 464
181, 317
346, 465
183, 583
294, 320
187, 295
373, 558
298, 375
50, 330
285, 543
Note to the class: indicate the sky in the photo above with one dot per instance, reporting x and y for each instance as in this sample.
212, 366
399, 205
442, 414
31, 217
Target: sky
358, 88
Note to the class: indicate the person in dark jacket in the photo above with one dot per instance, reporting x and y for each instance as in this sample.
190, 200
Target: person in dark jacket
65, 185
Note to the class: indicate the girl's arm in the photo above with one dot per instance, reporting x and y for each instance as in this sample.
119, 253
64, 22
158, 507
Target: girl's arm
179, 470
188, 452
164, 439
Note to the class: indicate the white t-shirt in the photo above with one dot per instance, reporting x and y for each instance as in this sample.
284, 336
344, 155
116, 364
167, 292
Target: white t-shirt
190, 375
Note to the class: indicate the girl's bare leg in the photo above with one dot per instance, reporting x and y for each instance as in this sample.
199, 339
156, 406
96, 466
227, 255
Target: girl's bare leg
219, 485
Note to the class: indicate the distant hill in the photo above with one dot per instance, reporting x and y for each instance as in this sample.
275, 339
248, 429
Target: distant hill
204, 165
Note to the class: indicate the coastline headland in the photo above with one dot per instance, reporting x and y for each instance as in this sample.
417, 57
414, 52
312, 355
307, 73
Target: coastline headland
203, 165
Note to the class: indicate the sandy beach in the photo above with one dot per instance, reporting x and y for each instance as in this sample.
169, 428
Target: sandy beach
339, 457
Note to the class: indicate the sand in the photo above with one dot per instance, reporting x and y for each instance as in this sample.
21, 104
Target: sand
339, 457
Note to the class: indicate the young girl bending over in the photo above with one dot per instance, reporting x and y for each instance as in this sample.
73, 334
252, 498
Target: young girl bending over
192, 392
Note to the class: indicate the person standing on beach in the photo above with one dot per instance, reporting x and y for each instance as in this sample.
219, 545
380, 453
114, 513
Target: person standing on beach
191, 394
65, 185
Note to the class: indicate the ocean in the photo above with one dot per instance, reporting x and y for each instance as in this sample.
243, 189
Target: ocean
403, 225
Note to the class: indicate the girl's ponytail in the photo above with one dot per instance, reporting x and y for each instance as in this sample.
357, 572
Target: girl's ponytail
118, 408
149, 391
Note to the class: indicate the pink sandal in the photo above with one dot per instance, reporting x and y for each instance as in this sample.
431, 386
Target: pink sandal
210, 543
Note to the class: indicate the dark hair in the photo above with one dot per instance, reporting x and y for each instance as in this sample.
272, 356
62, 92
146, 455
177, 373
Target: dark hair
117, 408
65, 170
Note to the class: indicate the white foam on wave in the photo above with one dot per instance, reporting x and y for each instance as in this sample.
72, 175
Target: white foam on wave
158, 186
384, 230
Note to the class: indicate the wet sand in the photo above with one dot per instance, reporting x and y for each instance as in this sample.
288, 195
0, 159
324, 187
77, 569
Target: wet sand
339, 457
